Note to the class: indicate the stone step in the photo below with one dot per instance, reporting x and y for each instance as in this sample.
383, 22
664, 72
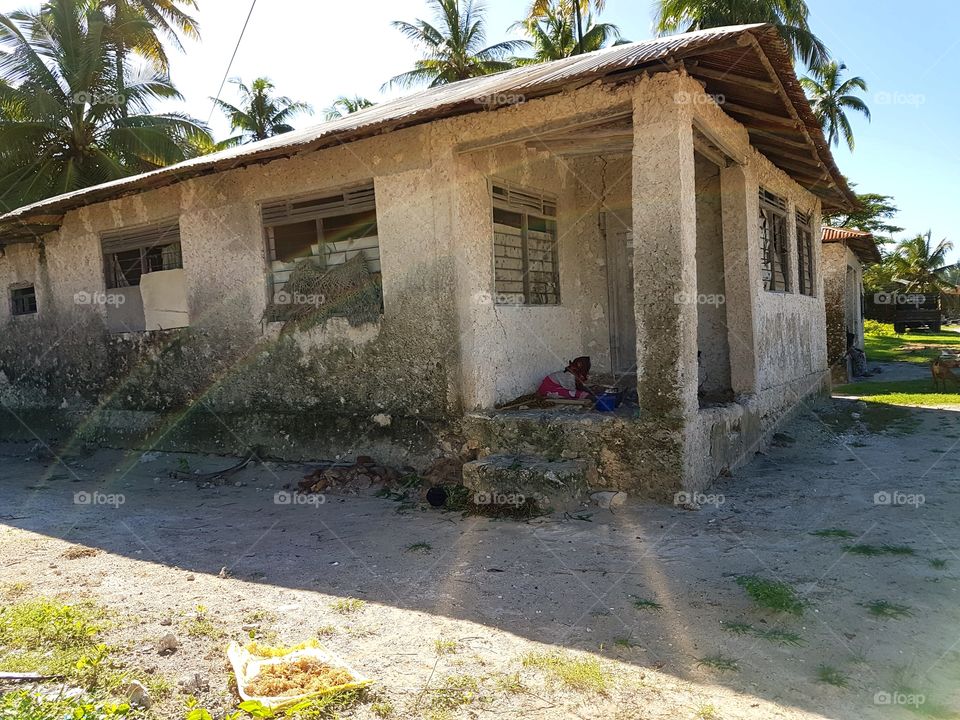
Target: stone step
556, 484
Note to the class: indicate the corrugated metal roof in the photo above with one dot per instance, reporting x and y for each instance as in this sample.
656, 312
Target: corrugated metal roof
460, 98
862, 243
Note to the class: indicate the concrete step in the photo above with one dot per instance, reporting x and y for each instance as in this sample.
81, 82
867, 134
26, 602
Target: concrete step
556, 484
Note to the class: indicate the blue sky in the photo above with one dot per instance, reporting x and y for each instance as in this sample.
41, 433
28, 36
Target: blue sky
907, 52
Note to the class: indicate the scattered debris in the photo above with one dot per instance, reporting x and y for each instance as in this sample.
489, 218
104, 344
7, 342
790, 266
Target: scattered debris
193, 683
356, 479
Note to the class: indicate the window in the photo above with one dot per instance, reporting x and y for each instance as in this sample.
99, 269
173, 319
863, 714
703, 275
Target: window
773, 242
327, 231
130, 254
525, 254
23, 300
805, 253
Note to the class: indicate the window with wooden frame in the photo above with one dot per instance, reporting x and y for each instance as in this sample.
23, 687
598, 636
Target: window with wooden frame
525, 252
23, 300
805, 253
326, 229
773, 242
130, 254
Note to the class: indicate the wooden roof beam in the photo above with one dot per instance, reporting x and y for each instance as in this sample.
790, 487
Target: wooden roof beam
733, 78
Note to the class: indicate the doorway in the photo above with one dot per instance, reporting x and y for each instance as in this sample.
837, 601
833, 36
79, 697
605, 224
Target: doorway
617, 228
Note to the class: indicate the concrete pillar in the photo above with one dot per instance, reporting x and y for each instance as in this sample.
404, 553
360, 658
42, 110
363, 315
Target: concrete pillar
665, 242
741, 250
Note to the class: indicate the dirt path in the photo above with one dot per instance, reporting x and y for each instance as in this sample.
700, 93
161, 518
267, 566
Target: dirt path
504, 590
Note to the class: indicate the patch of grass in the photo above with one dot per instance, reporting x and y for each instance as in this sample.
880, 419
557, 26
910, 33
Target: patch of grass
706, 712
776, 635
347, 606
915, 393
201, 626
255, 617
48, 637
382, 709
23, 705
938, 563
79, 551
645, 604
420, 547
327, 707
445, 647
834, 533
455, 691
773, 594
739, 628
584, 674
832, 676
510, 683
326, 631
720, 663
915, 347
884, 609
874, 550
625, 642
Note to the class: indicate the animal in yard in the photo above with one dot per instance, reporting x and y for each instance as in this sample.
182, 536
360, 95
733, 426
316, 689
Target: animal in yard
941, 370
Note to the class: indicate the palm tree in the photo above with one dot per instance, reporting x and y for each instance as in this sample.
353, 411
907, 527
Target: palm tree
66, 124
344, 106
260, 114
453, 48
920, 265
830, 98
789, 16
579, 9
553, 36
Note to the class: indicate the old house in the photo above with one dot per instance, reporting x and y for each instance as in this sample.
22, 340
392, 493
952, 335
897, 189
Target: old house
652, 205
845, 254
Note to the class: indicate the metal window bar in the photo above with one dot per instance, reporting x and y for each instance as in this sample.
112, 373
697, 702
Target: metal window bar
526, 268
23, 301
773, 238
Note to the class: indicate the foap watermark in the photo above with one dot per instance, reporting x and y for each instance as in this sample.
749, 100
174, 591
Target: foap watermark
892, 298
297, 298
500, 99
898, 499
114, 500
899, 98
285, 497
691, 298
497, 498
899, 698
91, 98
99, 298
686, 98
685, 497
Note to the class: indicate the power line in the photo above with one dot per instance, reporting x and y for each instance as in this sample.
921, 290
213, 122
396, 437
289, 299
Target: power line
232, 58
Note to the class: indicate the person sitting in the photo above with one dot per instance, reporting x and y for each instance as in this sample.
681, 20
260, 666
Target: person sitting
570, 384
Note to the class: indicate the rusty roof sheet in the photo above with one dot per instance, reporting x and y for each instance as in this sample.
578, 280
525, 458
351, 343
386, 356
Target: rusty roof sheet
861, 242
461, 98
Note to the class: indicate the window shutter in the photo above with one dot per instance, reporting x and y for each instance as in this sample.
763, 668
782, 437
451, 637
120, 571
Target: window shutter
283, 212
147, 236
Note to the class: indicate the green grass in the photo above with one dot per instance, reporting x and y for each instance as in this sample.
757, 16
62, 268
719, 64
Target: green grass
875, 550
585, 674
884, 609
420, 547
707, 712
445, 647
773, 594
938, 563
720, 663
347, 606
832, 676
201, 626
834, 533
915, 347
646, 604
919, 393
455, 691
774, 635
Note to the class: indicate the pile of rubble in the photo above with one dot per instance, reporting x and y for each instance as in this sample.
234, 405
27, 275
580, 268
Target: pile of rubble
360, 478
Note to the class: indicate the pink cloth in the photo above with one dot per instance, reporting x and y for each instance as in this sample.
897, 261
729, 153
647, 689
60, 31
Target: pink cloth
561, 386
